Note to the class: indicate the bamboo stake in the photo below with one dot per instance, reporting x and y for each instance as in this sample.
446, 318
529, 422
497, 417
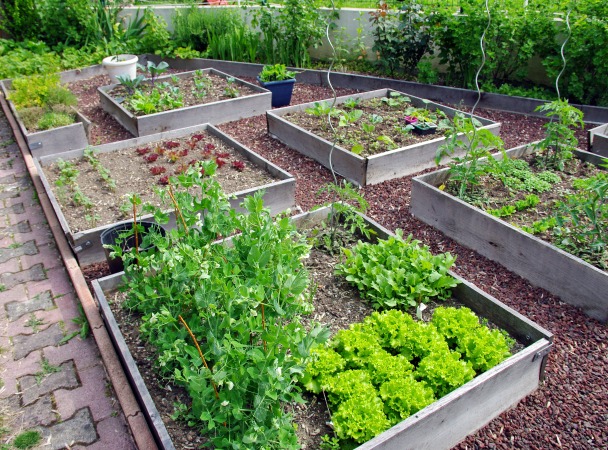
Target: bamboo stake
200, 352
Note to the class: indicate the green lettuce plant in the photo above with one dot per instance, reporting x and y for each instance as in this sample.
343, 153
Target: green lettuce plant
388, 367
397, 272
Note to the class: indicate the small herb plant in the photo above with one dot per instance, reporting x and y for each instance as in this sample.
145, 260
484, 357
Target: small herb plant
89, 155
397, 273
475, 145
276, 72
66, 183
560, 141
381, 371
347, 207
130, 84
143, 96
154, 70
231, 90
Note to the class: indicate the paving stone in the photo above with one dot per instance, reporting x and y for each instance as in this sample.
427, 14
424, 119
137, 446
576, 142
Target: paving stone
12, 266
12, 164
8, 194
80, 429
32, 388
17, 293
37, 303
17, 418
23, 345
113, 434
39, 413
34, 273
8, 179
12, 370
58, 282
13, 209
85, 353
48, 257
28, 248
93, 392
21, 227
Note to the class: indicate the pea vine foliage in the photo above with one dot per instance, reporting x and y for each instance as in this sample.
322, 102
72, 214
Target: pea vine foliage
224, 316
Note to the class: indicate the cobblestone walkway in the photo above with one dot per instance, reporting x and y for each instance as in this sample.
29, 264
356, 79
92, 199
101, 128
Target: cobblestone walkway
50, 380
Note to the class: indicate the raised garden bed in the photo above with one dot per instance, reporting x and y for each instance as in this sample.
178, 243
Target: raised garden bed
55, 140
575, 281
84, 235
254, 101
362, 170
598, 140
440, 425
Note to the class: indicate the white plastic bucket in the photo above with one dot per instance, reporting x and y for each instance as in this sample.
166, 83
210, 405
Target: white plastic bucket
120, 65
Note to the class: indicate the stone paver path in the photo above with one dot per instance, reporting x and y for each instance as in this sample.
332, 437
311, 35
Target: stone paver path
50, 379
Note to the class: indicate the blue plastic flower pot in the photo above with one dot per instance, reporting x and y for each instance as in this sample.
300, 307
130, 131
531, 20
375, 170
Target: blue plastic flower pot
281, 91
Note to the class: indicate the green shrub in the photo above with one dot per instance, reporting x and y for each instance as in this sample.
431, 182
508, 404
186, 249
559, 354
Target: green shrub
20, 19
42, 103
53, 120
31, 116
32, 91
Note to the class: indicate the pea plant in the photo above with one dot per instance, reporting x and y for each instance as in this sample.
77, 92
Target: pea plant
225, 318
582, 220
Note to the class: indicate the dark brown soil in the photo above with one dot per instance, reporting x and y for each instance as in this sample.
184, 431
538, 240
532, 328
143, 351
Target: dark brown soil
570, 410
389, 124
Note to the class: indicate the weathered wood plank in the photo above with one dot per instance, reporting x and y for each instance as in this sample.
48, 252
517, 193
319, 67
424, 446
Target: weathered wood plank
574, 280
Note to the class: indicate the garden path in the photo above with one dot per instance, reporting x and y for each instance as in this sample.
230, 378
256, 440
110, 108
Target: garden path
60, 389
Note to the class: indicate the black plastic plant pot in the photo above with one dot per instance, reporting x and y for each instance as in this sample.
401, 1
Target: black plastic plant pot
281, 91
424, 129
111, 236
